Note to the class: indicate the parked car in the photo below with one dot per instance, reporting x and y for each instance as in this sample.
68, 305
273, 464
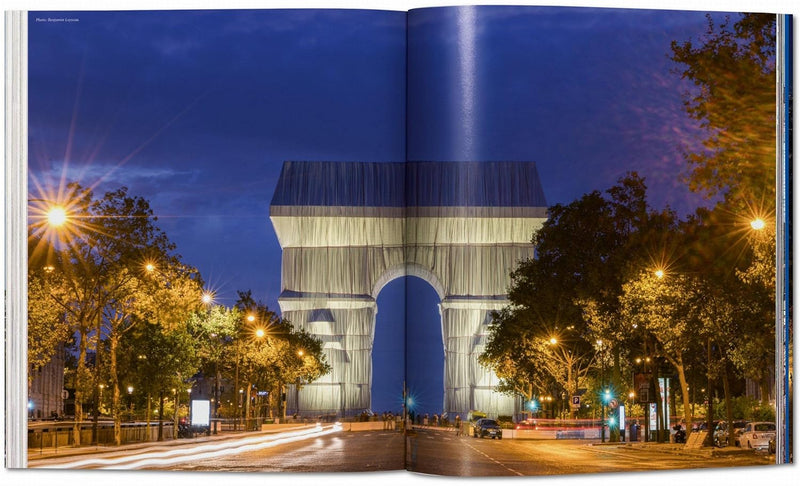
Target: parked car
700, 426
487, 428
721, 433
757, 435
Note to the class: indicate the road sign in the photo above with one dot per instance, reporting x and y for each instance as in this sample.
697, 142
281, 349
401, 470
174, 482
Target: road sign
613, 403
576, 401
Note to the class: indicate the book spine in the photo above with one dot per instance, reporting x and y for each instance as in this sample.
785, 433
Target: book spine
783, 205
16, 256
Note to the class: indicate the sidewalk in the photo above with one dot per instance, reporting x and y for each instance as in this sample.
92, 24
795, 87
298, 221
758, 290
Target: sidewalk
681, 449
35, 454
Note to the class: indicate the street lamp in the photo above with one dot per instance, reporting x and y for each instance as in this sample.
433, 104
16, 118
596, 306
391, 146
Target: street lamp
659, 274
757, 224
130, 403
57, 216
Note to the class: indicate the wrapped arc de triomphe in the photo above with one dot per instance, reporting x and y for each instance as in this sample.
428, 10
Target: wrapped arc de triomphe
348, 229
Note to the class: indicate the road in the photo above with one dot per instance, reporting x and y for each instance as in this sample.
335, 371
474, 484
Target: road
437, 451
433, 451
319, 449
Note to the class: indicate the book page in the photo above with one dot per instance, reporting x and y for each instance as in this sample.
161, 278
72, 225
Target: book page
595, 210
197, 300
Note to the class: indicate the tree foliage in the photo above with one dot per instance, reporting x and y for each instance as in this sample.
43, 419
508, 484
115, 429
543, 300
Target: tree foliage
272, 352
733, 71
584, 252
48, 328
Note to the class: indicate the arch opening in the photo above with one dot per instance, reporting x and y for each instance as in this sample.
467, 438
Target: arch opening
408, 318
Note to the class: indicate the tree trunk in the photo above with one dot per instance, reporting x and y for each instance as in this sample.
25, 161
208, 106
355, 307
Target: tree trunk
728, 406
687, 406
114, 375
763, 384
215, 405
79, 373
236, 393
96, 381
175, 415
147, 417
247, 407
160, 416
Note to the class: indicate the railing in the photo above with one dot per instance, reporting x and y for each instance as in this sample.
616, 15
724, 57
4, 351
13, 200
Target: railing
60, 435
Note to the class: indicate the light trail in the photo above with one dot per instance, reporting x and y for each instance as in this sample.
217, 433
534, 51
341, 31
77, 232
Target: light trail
205, 451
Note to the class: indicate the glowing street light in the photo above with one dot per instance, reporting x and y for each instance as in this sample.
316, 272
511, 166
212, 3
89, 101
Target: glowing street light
659, 273
553, 341
57, 216
149, 267
251, 318
260, 333
757, 224
207, 298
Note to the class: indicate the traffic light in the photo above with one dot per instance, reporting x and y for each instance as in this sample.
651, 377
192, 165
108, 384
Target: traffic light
606, 396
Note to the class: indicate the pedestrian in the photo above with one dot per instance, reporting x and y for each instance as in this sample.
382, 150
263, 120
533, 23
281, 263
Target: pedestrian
458, 425
425, 420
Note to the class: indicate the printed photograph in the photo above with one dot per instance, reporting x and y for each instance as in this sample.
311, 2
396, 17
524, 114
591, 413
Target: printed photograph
460, 241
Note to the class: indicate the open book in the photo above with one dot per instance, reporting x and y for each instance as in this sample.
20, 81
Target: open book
459, 241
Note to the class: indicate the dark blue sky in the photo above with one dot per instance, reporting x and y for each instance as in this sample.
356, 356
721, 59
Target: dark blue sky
197, 110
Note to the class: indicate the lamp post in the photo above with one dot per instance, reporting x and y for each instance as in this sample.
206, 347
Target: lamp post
605, 392
130, 403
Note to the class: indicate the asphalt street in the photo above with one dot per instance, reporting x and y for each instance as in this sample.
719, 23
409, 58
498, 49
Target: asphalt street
438, 451
428, 450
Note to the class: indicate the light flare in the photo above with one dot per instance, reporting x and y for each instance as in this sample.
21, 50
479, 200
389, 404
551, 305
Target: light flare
205, 451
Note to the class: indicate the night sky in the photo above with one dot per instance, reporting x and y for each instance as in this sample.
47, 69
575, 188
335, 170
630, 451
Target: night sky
196, 111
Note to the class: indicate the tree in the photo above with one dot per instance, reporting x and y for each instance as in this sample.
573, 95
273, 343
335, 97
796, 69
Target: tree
733, 71
48, 328
273, 353
107, 244
158, 359
515, 355
584, 252
165, 293
666, 307
80, 271
214, 331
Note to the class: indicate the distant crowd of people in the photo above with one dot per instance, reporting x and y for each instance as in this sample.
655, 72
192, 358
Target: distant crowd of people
435, 420
389, 420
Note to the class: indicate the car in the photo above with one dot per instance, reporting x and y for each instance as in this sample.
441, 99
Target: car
487, 428
756, 435
527, 424
721, 433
